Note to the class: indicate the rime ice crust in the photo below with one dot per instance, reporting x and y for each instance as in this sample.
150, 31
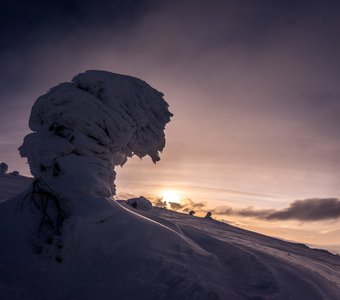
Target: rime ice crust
84, 128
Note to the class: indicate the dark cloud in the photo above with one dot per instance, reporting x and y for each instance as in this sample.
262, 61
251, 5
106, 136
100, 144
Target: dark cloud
244, 212
158, 202
316, 209
309, 210
187, 205
175, 205
23, 21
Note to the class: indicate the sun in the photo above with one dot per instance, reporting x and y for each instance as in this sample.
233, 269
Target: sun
171, 196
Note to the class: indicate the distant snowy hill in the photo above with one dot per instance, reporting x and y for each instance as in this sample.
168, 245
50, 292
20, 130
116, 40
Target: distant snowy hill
117, 252
11, 186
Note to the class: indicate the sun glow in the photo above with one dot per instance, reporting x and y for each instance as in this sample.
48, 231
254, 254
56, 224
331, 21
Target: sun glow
171, 196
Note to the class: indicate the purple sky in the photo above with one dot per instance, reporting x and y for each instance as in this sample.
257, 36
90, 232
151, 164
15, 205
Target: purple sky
254, 87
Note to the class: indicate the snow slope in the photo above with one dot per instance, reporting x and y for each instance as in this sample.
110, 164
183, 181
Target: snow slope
11, 185
117, 252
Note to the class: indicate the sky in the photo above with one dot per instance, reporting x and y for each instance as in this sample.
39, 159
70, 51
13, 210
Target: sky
254, 87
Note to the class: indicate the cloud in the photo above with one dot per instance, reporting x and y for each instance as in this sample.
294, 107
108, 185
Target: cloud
314, 209
125, 196
244, 212
158, 202
187, 205
175, 205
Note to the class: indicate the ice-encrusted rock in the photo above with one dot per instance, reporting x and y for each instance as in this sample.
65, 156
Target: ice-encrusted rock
3, 169
140, 203
14, 173
84, 128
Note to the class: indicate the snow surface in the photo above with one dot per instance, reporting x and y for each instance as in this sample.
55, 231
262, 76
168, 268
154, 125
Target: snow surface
117, 252
12, 185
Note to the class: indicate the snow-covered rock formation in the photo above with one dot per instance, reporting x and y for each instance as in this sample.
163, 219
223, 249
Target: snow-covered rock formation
84, 128
140, 203
14, 173
3, 168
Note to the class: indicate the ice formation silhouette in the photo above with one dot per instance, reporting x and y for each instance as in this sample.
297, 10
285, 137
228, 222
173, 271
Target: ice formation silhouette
140, 203
3, 168
84, 128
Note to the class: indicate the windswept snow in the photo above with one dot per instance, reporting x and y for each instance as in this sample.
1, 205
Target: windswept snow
118, 252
